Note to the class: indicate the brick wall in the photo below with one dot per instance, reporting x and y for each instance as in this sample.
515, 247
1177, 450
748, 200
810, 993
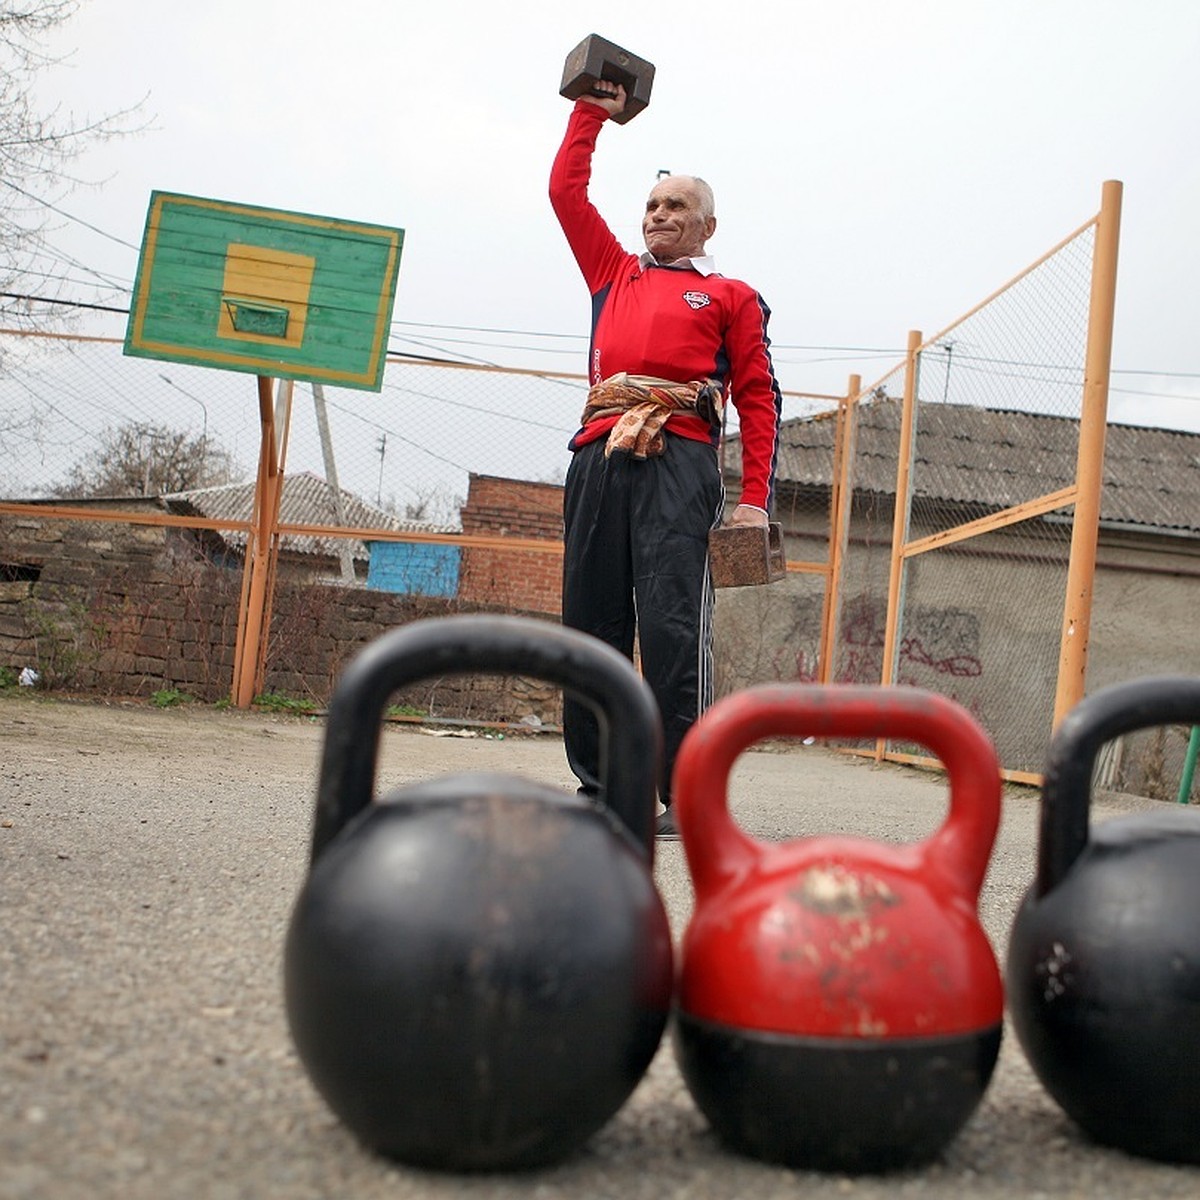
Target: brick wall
520, 580
113, 609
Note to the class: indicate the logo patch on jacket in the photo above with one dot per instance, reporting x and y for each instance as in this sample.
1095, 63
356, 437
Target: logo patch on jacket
697, 299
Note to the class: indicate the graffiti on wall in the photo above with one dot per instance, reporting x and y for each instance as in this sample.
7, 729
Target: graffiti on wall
942, 641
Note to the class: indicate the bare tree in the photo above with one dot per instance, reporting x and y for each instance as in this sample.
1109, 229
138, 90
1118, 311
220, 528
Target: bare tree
147, 460
37, 148
433, 504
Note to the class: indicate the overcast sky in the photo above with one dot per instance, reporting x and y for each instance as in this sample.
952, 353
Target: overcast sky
878, 166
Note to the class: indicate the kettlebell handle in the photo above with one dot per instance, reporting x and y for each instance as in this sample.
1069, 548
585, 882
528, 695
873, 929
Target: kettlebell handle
1074, 748
593, 672
717, 849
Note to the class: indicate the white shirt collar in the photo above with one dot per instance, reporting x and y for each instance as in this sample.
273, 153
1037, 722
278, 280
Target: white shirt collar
703, 264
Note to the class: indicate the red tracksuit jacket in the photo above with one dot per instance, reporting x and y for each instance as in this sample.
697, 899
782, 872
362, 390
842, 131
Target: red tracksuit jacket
669, 322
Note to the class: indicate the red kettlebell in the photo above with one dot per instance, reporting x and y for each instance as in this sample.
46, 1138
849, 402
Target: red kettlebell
839, 1004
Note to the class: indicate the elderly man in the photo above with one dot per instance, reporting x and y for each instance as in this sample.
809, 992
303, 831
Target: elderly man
670, 340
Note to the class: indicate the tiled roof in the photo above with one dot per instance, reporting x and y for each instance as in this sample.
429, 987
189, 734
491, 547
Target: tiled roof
999, 459
307, 500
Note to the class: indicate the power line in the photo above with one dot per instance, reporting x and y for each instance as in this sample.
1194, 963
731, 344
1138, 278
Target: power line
31, 272
1156, 395
776, 347
45, 251
475, 408
483, 329
66, 303
398, 436
1164, 374
466, 358
507, 345
112, 237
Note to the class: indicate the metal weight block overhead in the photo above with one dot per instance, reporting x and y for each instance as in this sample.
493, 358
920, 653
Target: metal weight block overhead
596, 58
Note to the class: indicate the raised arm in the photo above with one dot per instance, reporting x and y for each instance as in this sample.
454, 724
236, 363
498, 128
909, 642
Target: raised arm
594, 245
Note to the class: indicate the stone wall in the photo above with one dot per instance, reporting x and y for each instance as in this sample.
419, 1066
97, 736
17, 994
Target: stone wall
114, 609
117, 609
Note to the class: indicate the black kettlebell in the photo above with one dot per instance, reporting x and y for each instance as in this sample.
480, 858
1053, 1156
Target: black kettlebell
1103, 971
479, 968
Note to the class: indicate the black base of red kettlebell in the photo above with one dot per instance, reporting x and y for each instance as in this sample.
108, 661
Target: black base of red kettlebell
846, 1105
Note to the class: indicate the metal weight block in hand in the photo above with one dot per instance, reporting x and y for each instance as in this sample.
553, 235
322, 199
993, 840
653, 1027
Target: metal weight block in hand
744, 555
479, 968
596, 58
839, 1004
1103, 970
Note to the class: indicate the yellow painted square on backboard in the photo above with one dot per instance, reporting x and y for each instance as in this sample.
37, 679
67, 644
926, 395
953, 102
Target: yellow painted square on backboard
260, 275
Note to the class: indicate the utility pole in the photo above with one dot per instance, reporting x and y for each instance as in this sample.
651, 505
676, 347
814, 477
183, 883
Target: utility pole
146, 439
382, 452
331, 478
184, 392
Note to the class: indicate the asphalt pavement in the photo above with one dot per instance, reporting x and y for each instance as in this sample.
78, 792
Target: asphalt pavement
149, 860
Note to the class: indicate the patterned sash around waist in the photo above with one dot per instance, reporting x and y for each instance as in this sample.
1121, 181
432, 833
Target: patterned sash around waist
643, 404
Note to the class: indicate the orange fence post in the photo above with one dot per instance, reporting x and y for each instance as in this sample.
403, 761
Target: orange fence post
900, 513
900, 516
266, 519
839, 525
1089, 476
283, 424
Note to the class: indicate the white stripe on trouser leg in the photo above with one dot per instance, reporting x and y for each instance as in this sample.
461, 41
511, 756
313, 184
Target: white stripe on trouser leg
704, 675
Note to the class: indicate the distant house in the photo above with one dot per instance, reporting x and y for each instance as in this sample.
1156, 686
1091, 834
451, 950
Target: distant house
414, 568
308, 500
528, 580
982, 618
982, 460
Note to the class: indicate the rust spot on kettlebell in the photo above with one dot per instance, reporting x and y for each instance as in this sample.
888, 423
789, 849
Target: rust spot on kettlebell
1053, 973
834, 891
510, 824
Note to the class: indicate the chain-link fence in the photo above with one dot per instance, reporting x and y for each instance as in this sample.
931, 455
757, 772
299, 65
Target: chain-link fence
960, 589
443, 492
994, 449
406, 450
967, 587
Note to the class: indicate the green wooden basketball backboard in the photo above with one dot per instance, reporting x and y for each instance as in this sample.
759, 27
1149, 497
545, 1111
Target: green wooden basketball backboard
274, 293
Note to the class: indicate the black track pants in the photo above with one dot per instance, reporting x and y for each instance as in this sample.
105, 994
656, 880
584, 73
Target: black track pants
636, 558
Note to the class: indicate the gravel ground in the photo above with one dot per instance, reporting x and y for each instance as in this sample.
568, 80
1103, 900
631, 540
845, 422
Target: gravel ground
148, 863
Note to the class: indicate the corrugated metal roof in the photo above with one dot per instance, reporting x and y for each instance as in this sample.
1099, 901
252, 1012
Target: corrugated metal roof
307, 500
999, 459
